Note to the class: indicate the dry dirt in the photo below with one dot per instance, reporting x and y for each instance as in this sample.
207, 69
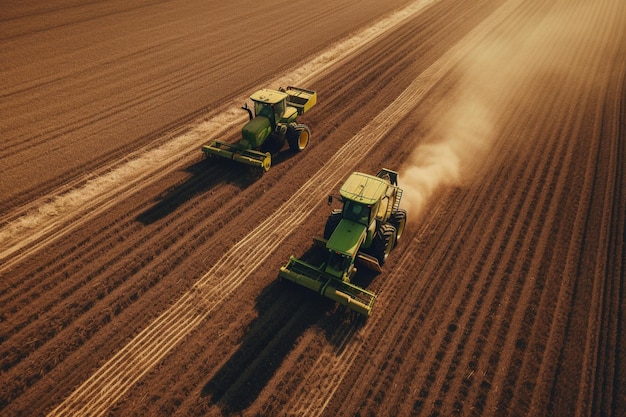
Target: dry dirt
138, 278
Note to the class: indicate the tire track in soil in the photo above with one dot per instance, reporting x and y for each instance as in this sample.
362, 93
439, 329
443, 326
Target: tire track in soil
197, 304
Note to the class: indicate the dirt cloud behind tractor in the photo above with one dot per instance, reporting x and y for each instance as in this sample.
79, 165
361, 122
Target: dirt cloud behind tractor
458, 133
464, 125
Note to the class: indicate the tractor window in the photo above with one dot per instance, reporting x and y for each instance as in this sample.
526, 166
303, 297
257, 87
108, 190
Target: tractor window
262, 109
356, 212
279, 109
337, 261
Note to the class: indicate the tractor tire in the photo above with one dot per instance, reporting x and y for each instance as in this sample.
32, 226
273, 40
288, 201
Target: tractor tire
383, 243
398, 220
298, 137
331, 223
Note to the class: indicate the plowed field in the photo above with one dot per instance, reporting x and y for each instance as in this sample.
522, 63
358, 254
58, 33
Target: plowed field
139, 278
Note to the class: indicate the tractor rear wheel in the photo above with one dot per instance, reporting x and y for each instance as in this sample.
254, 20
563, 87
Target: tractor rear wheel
298, 137
331, 223
398, 220
383, 243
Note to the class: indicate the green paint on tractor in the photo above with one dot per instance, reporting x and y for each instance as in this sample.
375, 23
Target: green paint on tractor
363, 232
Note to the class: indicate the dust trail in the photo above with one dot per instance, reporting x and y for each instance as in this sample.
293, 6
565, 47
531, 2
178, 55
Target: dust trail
444, 157
465, 126
462, 127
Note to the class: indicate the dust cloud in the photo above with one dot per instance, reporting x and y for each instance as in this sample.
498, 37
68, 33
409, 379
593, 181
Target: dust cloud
459, 132
464, 125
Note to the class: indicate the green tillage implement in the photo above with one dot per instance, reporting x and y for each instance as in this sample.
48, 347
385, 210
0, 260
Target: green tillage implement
315, 279
237, 153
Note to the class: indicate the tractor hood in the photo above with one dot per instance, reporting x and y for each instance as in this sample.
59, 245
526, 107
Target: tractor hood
347, 238
254, 133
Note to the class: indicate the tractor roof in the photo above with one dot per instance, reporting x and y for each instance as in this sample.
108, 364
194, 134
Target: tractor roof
363, 188
268, 96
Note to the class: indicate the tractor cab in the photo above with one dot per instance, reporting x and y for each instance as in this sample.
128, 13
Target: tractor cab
362, 195
273, 105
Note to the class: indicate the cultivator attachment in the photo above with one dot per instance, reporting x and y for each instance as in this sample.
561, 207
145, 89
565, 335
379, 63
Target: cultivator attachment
258, 159
315, 279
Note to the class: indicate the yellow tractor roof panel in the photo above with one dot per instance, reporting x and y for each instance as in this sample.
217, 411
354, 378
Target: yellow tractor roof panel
268, 96
363, 188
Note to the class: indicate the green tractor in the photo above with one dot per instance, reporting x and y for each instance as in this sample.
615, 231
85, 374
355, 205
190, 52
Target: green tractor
362, 233
271, 125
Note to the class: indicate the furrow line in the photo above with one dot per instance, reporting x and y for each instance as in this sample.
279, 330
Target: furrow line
575, 275
601, 329
528, 246
536, 222
557, 329
608, 378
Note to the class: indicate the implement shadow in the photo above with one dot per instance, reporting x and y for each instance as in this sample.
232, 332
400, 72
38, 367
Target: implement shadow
286, 311
205, 175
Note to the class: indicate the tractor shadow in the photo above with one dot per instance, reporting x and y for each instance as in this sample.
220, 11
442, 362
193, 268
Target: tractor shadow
285, 312
205, 175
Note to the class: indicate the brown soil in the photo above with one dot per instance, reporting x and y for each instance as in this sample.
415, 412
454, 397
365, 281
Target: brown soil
505, 296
